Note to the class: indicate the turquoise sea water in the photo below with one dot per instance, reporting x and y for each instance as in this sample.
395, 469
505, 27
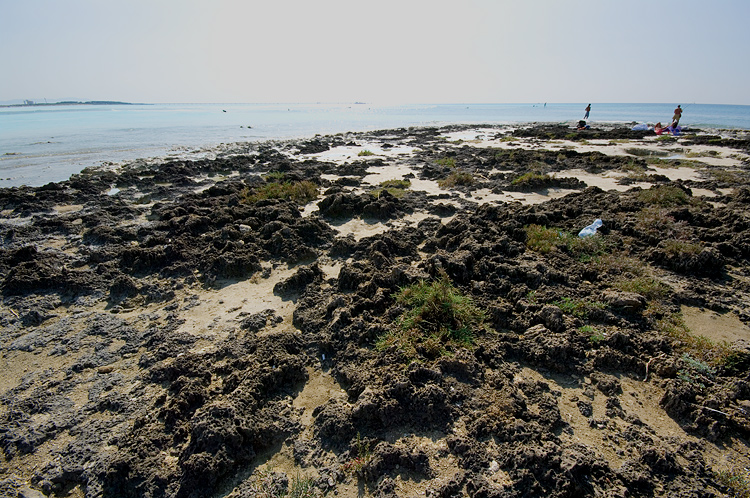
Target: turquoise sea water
44, 144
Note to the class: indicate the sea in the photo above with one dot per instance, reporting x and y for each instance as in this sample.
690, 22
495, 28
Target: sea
43, 144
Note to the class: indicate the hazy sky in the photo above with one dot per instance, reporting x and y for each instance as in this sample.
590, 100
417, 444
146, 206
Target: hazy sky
384, 51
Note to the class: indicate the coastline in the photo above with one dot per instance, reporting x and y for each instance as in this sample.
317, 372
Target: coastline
71, 102
169, 331
43, 145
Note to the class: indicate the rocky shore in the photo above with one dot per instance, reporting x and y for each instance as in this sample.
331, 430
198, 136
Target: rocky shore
397, 313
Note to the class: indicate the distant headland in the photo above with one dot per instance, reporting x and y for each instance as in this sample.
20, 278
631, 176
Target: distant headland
31, 103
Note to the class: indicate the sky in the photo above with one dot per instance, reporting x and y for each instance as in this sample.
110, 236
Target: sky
385, 51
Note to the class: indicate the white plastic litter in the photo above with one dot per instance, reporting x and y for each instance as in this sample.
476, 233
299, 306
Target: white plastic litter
591, 229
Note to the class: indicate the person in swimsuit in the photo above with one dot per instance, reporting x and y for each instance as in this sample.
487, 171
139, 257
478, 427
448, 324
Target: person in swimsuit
677, 116
588, 110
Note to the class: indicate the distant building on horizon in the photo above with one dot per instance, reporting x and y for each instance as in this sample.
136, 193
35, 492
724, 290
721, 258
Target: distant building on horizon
28, 102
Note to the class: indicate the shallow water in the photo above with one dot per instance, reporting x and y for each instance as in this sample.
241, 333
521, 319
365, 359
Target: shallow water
44, 144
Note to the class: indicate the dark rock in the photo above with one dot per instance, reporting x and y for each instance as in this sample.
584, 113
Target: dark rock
297, 283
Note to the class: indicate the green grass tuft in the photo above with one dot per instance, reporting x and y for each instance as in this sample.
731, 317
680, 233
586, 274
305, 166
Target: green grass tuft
579, 308
262, 485
274, 175
680, 248
645, 285
397, 188
726, 176
455, 179
437, 318
300, 192
545, 240
595, 335
634, 167
665, 196
532, 178
402, 184
588, 248
704, 153
302, 487
737, 480
657, 222
366, 153
446, 161
666, 138
364, 455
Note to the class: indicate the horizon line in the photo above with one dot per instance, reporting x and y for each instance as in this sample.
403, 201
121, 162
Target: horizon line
21, 102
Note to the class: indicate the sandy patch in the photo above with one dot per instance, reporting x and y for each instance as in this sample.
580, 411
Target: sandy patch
319, 388
349, 152
681, 173
606, 181
702, 192
474, 135
378, 174
714, 156
360, 228
330, 269
603, 434
716, 326
310, 208
70, 208
213, 312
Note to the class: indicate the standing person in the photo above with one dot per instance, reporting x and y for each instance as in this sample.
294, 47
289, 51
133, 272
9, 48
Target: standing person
588, 110
677, 116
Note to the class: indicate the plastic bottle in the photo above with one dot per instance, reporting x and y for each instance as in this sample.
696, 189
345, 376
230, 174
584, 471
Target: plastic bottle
591, 229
